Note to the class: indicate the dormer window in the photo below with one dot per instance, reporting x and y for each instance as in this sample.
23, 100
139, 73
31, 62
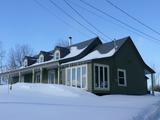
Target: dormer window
41, 58
57, 55
25, 63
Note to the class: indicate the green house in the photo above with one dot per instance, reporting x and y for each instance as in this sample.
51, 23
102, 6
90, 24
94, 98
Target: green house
114, 67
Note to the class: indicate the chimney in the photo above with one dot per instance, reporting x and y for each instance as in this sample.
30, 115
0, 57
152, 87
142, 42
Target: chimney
70, 41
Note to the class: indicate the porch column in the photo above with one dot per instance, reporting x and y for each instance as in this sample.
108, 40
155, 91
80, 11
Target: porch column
58, 74
20, 77
152, 83
41, 74
33, 75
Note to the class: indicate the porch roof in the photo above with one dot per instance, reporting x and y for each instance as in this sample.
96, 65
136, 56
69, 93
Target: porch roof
53, 64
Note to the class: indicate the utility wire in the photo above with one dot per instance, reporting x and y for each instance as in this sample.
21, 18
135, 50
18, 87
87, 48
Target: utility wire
129, 26
56, 16
103, 18
135, 19
54, 4
86, 19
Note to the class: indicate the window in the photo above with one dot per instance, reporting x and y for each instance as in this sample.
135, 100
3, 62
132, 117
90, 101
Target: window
51, 77
57, 55
41, 58
101, 76
84, 74
122, 77
73, 77
37, 77
25, 63
77, 76
68, 77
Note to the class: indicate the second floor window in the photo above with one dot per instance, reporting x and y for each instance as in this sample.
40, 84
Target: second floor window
41, 58
57, 55
25, 64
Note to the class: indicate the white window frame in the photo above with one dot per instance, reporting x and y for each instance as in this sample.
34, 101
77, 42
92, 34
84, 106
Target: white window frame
49, 72
108, 76
25, 63
55, 55
86, 87
37, 74
75, 77
41, 58
66, 81
125, 78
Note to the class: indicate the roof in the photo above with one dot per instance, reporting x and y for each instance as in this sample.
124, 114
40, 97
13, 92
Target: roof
77, 49
30, 58
87, 51
45, 53
106, 47
83, 44
103, 50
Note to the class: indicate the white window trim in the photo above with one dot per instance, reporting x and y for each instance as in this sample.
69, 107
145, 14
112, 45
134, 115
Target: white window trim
76, 75
39, 59
25, 63
52, 71
125, 78
108, 75
57, 51
36, 74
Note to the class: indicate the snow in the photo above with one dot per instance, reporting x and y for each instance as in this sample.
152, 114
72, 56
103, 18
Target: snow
74, 51
49, 102
94, 55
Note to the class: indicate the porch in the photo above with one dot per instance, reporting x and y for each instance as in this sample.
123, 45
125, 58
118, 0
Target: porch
49, 73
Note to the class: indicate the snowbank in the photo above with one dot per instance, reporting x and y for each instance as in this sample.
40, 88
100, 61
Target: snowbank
45, 89
58, 102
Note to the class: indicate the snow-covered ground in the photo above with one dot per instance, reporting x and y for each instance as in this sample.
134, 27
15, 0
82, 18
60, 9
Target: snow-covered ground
58, 102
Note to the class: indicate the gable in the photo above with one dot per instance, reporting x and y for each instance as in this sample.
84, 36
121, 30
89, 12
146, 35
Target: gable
130, 45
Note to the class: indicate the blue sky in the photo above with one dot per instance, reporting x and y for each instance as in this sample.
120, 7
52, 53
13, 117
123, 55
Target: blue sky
24, 22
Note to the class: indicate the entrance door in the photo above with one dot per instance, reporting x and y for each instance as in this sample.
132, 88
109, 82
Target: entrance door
37, 80
51, 77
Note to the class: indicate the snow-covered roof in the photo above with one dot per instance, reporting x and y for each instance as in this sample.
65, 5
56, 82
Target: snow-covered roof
74, 51
94, 55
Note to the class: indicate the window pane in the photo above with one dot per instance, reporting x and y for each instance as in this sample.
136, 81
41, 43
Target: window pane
73, 77
121, 81
101, 77
79, 77
37, 77
106, 77
51, 79
121, 74
57, 55
84, 74
96, 76
68, 77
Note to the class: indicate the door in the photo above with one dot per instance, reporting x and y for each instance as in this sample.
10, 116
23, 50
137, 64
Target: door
37, 77
51, 77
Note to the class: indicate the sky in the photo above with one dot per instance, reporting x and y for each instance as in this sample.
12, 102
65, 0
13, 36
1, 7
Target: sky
25, 22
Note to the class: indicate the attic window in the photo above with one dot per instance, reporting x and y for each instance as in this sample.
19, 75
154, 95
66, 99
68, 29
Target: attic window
25, 63
57, 55
41, 58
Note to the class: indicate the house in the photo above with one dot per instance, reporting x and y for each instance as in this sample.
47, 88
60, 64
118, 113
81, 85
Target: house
114, 67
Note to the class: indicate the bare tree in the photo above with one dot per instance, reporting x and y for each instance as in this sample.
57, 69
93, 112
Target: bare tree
17, 54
